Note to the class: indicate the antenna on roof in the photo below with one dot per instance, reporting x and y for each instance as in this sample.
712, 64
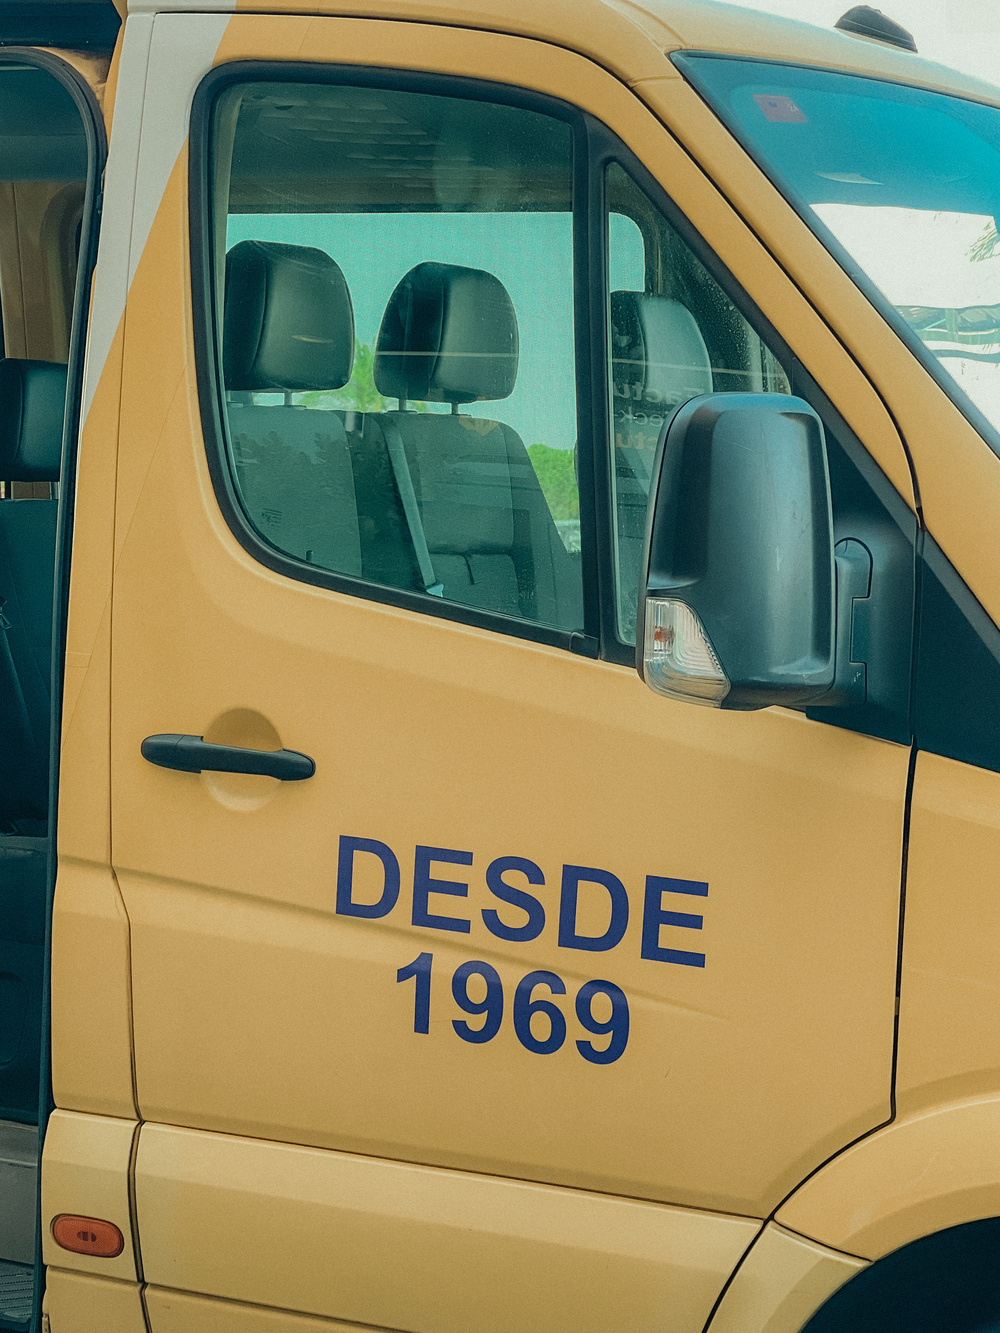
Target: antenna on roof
864, 21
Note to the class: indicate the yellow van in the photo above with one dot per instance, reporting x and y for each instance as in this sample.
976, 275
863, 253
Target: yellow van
499, 603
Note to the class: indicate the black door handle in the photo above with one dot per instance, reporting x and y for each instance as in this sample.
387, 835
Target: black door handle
191, 754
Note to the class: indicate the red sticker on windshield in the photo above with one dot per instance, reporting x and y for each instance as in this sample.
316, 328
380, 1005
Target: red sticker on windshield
775, 107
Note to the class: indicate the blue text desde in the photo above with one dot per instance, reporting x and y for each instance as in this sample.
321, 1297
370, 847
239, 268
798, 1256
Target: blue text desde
525, 915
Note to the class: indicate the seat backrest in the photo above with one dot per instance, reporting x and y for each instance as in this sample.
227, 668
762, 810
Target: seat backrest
658, 361
288, 327
449, 335
32, 403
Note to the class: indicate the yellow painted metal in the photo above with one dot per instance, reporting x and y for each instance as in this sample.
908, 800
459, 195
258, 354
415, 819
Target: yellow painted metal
469, 1254
927, 1171
91, 1047
949, 1020
781, 1283
80, 1303
180, 1312
85, 1170
632, 38
630, 43
91, 1003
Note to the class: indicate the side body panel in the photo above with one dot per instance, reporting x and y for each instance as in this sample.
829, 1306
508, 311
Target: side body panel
78, 1303
949, 1018
372, 1241
781, 1282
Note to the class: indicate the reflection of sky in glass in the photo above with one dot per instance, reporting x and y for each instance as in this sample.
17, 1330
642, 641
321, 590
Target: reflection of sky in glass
917, 257
531, 254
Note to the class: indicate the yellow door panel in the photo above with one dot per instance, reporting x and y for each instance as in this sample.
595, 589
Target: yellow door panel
180, 1312
949, 1025
269, 1013
350, 1238
781, 1283
86, 1162
239, 988
446, 741
78, 1303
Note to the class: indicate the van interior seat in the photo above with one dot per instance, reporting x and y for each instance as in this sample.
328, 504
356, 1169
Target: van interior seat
658, 362
32, 404
288, 326
449, 335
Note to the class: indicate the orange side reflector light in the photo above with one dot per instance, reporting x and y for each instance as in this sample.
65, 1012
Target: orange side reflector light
87, 1235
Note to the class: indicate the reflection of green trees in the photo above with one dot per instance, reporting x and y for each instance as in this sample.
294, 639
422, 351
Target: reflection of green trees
360, 393
985, 246
557, 478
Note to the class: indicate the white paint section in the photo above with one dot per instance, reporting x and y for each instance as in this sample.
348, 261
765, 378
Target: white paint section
159, 7
183, 51
163, 60
111, 276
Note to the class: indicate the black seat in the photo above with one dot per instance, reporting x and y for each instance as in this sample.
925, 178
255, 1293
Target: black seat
289, 327
32, 400
449, 335
658, 361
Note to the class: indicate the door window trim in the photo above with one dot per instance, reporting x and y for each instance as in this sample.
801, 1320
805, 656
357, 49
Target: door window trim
208, 341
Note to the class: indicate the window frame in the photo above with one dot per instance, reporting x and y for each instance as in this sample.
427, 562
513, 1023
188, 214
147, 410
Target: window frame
208, 342
596, 147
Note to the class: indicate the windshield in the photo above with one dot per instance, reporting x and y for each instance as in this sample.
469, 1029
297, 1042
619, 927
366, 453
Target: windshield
903, 185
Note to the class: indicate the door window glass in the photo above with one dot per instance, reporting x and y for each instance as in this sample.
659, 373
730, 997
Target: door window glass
398, 341
674, 334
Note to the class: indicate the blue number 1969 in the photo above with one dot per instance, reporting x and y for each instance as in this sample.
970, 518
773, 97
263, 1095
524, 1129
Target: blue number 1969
539, 1023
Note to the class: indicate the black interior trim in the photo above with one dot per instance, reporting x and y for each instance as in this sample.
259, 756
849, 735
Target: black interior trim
97, 148
957, 688
77, 24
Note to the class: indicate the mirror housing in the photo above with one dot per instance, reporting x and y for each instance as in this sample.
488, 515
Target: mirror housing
739, 606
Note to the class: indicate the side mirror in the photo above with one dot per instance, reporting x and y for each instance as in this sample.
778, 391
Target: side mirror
742, 585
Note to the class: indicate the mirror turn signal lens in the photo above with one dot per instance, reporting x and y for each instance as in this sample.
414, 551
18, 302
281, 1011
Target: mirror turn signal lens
87, 1235
678, 659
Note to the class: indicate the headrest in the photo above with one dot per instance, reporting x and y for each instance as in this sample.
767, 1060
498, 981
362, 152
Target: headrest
658, 354
32, 403
448, 335
288, 322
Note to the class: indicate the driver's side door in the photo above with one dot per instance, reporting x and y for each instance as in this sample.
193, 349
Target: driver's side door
524, 1007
